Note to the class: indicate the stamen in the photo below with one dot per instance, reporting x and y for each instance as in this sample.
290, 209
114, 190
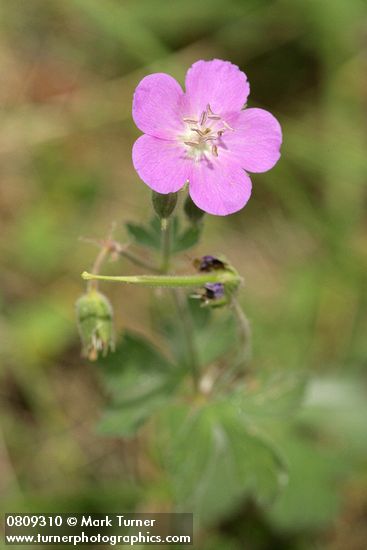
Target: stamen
228, 127
191, 143
203, 117
206, 134
210, 113
200, 132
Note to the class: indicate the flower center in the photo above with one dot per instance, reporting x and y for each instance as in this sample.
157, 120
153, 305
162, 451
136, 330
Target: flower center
203, 136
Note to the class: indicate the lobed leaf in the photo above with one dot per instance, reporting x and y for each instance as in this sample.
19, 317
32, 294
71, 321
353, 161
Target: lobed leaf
312, 497
150, 235
143, 235
139, 380
215, 461
274, 395
187, 239
214, 333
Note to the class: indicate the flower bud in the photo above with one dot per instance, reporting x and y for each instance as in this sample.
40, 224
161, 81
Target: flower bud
194, 214
164, 204
212, 295
95, 323
210, 263
216, 294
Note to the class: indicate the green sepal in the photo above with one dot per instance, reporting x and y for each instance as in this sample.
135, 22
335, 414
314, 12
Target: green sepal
193, 213
164, 204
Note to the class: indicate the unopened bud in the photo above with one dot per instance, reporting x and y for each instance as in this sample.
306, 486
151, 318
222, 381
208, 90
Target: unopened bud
164, 204
194, 214
215, 294
95, 323
210, 263
212, 295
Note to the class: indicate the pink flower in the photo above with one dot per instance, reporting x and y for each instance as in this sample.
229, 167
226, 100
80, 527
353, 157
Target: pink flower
203, 136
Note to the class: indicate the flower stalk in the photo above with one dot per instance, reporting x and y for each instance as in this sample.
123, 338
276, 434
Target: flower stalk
101, 257
166, 245
244, 330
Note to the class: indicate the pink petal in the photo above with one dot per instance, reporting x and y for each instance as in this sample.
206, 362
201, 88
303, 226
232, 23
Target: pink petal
219, 187
161, 164
217, 83
255, 141
156, 106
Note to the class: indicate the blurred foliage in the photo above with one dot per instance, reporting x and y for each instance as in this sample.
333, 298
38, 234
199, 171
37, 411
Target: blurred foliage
68, 73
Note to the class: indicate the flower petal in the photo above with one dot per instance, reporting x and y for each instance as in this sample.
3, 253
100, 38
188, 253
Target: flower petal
255, 141
161, 164
219, 187
218, 83
156, 106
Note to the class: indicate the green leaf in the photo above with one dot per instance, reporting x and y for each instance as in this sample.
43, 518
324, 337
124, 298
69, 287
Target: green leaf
145, 236
125, 420
150, 235
335, 413
338, 408
215, 460
139, 379
214, 332
275, 395
187, 239
312, 497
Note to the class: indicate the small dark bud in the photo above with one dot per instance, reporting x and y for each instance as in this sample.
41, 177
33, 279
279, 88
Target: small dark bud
194, 214
212, 295
209, 263
216, 294
214, 291
164, 205
95, 323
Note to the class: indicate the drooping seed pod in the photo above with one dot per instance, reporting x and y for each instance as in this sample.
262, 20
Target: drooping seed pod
95, 323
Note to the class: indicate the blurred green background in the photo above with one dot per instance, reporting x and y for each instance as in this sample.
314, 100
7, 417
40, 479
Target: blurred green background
68, 72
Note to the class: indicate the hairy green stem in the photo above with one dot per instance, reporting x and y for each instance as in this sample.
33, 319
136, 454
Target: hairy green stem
181, 305
168, 281
188, 330
166, 245
244, 330
102, 255
239, 362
